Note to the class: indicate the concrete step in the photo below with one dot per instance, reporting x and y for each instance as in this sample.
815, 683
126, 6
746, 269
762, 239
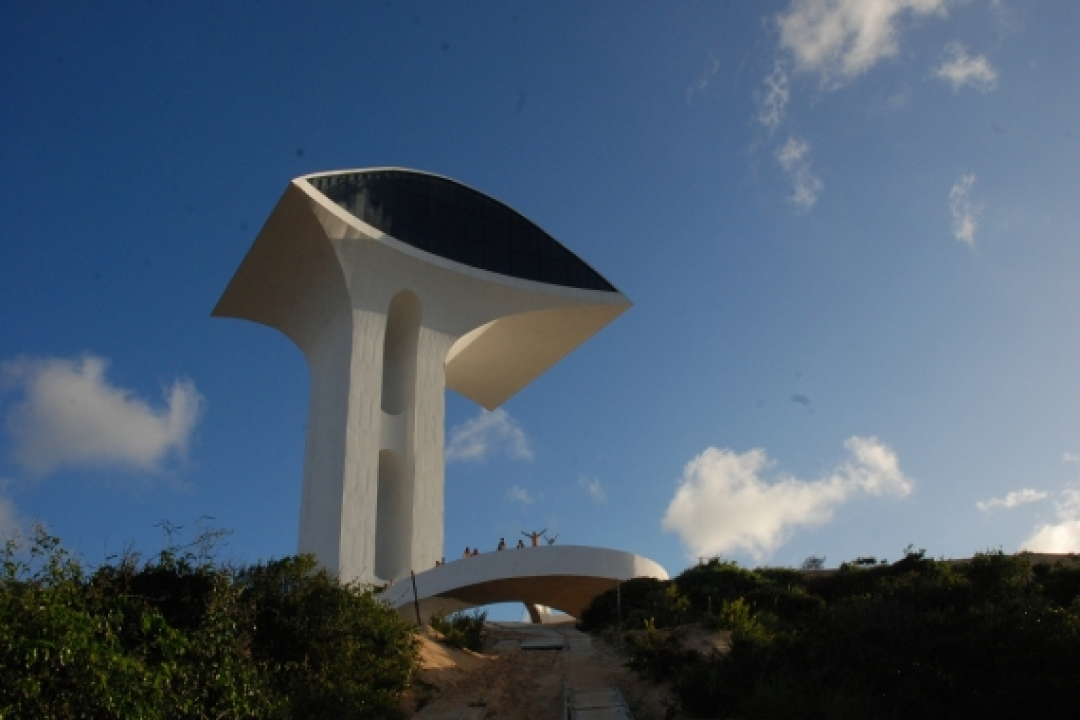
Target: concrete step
595, 703
467, 712
543, 643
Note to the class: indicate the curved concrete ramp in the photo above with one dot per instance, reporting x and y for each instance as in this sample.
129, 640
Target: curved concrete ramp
564, 577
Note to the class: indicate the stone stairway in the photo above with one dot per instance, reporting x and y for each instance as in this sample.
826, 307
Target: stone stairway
462, 713
595, 704
586, 694
582, 699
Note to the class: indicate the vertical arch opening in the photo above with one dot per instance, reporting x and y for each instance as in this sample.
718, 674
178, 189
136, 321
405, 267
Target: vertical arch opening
394, 512
393, 525
399, 353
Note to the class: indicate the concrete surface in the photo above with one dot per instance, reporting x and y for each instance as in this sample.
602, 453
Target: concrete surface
386, 328
564, 577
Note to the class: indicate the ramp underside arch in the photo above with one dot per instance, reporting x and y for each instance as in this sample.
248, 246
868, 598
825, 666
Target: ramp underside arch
570, 594
566, 578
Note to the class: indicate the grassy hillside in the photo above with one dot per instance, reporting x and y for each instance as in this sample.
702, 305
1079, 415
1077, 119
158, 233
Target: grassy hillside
992, 638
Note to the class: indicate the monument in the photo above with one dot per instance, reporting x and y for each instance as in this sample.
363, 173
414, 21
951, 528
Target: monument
398, 284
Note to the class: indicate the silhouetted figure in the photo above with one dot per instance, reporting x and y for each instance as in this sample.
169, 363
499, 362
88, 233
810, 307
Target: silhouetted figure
467, 553
502, 543
521, 543
551, 540
475, 552
534, 536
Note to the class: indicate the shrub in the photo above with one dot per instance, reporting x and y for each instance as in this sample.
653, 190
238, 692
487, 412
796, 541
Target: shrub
658, 655
462, 629
180, 636
632, 603
1059, 583
97, 647
714, 582
331, 649
919, 638
793, 605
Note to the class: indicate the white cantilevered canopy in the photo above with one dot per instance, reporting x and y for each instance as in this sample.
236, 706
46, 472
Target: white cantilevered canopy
293, 262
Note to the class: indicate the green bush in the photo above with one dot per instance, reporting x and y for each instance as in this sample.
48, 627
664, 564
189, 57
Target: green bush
462, 629
794, 605
1059, 583
331, 649
711, 584
179, 636
631, 604
991, 638
658, 655
103, 646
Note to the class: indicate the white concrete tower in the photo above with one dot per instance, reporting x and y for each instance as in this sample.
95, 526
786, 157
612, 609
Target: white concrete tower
396, 284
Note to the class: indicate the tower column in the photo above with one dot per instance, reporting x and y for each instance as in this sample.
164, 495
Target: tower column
340, 485
428, 501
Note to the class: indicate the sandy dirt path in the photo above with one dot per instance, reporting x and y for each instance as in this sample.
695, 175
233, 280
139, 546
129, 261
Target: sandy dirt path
508, 682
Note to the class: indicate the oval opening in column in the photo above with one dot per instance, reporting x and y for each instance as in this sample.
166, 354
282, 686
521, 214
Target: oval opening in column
399, 353
394, 513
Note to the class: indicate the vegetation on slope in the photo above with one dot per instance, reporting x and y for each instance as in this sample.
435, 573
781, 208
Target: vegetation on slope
462, 630
920, 638
181, 636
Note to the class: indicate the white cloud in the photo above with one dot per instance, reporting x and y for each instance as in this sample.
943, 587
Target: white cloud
961, 69
841, 39
964, 212
1004, 16
71, 416
1068, 507
1012, 499
773, 102
898, 99
593, 489
699, 85
521, 495
9, 519
1063, 536
487, 433
725, 503
794, 157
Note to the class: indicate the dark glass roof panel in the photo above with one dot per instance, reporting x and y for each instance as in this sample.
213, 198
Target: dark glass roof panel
447, 219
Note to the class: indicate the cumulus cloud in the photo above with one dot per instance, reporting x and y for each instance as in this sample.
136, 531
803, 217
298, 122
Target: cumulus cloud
726, 503
593, 489
485, 434
773, 101
521, 495
1062, 536
71, 416
794, 158
964, 211
962, 69
1012, 499
699, 85
841, 39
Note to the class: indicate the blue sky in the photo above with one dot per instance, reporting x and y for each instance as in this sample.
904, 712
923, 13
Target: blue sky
849, 228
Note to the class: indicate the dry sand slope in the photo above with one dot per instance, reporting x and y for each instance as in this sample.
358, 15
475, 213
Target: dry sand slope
515, 679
